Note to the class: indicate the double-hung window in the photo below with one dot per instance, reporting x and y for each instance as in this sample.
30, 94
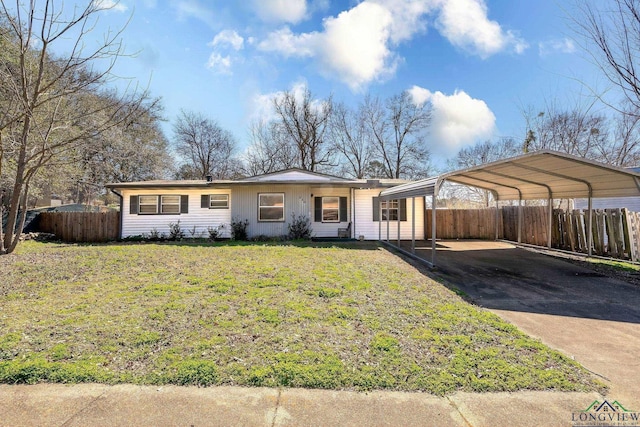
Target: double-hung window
148, 204
331, 209
219, 201
390, 206
170, 204
271, 207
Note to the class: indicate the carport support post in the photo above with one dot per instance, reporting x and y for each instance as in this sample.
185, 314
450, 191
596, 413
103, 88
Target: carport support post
398, 220
413, 225
590, 233
387, 210
433, 229
549, 221
497, 219
520, 220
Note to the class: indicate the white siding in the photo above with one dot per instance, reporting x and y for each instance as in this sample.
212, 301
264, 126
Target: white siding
134, 225
329, 229
296, 202
631, 203
365, 226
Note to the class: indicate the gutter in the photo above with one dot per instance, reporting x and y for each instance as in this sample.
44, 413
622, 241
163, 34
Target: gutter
114, 191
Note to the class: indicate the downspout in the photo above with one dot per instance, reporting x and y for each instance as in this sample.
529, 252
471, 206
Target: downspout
590, 234
353, 211
121, 211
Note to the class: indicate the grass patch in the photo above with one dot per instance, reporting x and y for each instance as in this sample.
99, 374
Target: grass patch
335, 316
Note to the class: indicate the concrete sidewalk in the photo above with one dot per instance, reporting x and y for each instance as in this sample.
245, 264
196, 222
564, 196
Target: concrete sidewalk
127, 405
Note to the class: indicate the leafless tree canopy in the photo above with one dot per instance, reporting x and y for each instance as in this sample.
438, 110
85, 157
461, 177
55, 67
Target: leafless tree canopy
399, 129
206, 148
51, 106
612, 28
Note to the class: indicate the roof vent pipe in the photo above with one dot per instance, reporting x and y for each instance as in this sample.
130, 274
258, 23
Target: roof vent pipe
209, 178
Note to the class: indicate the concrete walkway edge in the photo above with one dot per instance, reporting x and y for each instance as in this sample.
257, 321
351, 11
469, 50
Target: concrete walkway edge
124, 405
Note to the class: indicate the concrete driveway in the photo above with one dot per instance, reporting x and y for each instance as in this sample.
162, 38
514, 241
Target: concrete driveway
586, 315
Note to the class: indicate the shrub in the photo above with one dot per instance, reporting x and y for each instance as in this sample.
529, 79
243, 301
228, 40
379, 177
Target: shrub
215, 233
239, 229
154, 235
299, 227
175, 231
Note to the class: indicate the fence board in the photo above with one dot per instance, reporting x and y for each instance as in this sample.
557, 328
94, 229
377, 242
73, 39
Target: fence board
85, 227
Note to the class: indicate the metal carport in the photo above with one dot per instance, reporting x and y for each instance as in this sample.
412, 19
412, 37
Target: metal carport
540, 175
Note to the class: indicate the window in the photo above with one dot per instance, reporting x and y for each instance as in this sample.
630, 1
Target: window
330, 209
170, 204
219, 201
154, 205
271, 207
397, 208
393, 209
148, 205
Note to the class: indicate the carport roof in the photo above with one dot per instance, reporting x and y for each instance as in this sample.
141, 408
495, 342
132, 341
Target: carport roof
539, 175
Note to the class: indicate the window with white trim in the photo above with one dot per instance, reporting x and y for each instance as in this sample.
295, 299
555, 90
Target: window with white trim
393, 209
148, 205
219, 201
331, 209
170, 204
271, 207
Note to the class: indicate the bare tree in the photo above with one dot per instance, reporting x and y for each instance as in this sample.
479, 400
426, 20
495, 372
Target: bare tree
48, 107
574, 131
398, 127
304, 122
206, 148
479, 154
352, 139
270, 151
614, 31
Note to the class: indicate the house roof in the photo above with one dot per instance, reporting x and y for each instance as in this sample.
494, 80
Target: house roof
538, 175
285, 177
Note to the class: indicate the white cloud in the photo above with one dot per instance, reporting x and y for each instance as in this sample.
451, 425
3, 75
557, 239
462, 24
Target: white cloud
466, 25
285, 42
193, 9
291, 11
220, 64
352, 47
110, 5
457, 120
228, 38
564, 45
358, 45
262, 104
223, 56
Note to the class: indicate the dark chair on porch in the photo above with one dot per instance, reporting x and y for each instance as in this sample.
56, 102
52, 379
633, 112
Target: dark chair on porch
344, 232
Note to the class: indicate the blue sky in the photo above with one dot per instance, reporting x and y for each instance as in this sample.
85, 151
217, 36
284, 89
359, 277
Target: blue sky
480, 62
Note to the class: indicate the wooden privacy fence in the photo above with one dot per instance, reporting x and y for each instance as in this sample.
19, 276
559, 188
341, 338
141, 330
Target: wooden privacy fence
616, 232
86, 227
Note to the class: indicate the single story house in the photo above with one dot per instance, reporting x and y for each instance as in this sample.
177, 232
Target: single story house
269, 203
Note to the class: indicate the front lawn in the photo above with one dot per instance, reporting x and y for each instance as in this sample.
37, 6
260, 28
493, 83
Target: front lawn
331, 316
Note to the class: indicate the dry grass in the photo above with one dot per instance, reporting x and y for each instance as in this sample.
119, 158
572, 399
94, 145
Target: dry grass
324, 316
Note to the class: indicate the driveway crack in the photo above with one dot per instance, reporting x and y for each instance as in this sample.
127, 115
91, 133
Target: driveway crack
275, 413
452, 403
85, 407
